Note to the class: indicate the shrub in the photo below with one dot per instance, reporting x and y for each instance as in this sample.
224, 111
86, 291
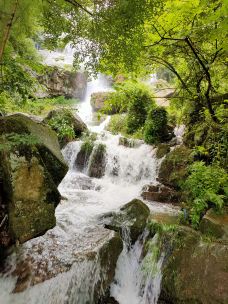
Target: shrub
63, 126
117, 124
156, 130
126, 93
139, 102
206, 186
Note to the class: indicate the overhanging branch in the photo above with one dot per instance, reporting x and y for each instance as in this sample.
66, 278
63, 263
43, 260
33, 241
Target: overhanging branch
77, 4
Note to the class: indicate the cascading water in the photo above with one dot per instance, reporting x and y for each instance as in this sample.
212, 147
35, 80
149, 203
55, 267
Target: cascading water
137, 279
63, 265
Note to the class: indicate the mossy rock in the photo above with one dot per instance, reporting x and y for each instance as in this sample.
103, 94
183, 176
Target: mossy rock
132, 217
57, 117
174, 168
31, 168
214, 224
108, 256
162, 150
47, 141
31, 193
194, 271
84, 154
97, 162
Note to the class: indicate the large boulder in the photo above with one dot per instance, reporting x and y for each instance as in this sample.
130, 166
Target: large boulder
162, 150
59, 82
59, 117
85, 265
131, 217
31, 168
194, 270
174, 167
214, 224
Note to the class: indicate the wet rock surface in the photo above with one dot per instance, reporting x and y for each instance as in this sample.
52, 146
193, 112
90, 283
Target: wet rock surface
160, 193
132, 216
52, 255
97, 163
83, 155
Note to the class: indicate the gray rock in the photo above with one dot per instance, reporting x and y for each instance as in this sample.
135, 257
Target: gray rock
58, 82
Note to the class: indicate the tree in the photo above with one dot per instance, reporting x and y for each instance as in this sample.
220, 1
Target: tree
187, 37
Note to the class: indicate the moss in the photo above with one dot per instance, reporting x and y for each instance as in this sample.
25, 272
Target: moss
162, 150
193, 270
84, 154
174, 168
30, 173
30, 211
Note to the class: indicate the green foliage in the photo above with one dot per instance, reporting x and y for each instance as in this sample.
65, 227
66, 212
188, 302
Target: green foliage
16, 79
160, 228
117, 124
156, 126
88, 139
15, 103
139, 99
205, 186
87, 147
120, 101
209, 141
63, 125
12, 140
116, 102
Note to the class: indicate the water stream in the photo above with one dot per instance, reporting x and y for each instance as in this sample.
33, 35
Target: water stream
62, 266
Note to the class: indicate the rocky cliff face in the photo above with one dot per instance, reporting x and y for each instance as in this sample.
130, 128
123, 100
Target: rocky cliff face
57, 82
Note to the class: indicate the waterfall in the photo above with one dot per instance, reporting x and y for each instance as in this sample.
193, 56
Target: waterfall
63, 265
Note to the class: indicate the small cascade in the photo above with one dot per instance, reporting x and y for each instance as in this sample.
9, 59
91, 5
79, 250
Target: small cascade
138, 278
101, 84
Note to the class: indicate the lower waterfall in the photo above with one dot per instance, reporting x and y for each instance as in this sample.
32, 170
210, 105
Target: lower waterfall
138, 278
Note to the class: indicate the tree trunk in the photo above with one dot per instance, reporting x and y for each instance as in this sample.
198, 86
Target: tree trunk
6, 32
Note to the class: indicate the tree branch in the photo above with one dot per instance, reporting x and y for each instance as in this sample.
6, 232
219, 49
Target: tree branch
77, 4
6, 33
172, 69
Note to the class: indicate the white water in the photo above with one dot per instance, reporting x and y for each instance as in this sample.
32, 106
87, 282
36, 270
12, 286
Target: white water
62, 257
101, 84
138, 279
